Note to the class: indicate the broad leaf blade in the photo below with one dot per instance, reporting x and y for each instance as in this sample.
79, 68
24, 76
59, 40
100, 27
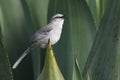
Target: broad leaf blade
5, 68
97, 9
17, 29
38, 11
104, 59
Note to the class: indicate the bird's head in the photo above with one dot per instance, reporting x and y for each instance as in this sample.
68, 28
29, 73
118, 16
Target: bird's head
58, 16
58, 19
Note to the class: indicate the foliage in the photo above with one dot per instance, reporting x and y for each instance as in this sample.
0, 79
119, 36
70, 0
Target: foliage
88, 48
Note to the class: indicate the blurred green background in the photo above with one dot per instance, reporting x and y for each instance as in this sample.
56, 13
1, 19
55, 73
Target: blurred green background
91, 35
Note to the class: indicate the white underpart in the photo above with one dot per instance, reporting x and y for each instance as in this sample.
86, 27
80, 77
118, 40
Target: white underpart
42, 40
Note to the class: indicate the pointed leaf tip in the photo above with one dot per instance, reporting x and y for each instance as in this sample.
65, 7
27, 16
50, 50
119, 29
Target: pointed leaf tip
77, 75
50, 70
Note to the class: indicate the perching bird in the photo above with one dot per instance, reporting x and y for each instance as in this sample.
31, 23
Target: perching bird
51, 31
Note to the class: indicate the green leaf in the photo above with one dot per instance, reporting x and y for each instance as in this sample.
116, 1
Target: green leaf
5, 68
77, 75
89, 75
77, 36
17, 28
38, 11
50, 70
104, 59
97, 9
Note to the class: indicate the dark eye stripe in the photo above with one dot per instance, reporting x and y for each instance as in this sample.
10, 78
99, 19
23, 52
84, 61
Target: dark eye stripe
58, 17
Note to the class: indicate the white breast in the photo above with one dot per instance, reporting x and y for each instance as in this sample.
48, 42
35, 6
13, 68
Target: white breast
55, 34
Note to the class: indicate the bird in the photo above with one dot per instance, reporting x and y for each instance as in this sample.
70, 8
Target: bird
40, 38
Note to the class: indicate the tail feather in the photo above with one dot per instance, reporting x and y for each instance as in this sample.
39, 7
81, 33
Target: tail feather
21, 57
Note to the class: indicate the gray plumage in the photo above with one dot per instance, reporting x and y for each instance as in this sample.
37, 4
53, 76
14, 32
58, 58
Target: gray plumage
51, 31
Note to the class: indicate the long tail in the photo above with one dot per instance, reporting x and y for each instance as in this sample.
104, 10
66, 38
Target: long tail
21, 57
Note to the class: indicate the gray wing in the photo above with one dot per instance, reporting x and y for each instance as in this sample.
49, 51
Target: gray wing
40, 34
